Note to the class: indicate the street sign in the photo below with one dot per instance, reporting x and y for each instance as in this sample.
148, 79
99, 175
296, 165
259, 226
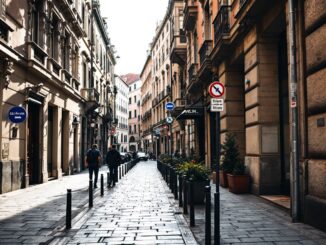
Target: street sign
169, 106
169, 120
17, 114
216, 89
217, 105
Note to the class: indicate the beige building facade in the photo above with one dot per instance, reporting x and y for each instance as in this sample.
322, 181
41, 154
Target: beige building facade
49, 68
146, 106
246, 46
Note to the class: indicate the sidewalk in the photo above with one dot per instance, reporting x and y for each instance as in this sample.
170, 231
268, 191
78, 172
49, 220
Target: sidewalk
35, 214
140, 210
247, 219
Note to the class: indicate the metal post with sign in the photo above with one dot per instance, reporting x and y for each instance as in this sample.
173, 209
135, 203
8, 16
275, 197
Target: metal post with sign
216, 91
170, 106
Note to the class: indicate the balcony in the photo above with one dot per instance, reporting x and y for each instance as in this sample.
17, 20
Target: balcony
190, 15
36, 53
90, 95
205, 51
222, 23
180, 104
179, 48
192, 78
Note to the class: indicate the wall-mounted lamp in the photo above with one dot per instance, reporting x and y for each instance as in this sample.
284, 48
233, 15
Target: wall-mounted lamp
247, 81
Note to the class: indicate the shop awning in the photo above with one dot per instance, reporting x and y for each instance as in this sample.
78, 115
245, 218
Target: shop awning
191, 113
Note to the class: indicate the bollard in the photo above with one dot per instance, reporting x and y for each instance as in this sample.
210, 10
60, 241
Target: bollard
191, 203
102, 185
180, 190
119, 170
68, 210
90, 194
108, 179
207, 215
171, 178
175, 183
122, 171
185, 196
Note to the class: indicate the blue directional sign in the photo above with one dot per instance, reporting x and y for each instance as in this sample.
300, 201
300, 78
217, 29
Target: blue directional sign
169, 106
17, 114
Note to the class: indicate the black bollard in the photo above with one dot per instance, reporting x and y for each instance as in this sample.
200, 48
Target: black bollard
191, 203
108, 179
180, 190
217, 219
208, 215
185, 195
68, 210
90, 194
119, 170
102, 185
175, 183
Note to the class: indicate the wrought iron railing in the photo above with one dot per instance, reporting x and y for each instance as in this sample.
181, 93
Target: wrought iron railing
192, 72
90, 94
222, 23
205, 51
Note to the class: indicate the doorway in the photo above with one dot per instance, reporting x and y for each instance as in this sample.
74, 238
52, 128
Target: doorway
50, 142
33, 149
284, 115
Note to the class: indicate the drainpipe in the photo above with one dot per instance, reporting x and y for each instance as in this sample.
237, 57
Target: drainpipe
295, 167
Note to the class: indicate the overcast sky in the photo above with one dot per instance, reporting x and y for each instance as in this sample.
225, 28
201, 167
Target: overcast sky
131, 26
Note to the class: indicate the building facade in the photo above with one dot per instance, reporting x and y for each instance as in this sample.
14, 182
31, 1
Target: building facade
248, 46
161, 85
121, 109
146, 106
134, 111
50, 69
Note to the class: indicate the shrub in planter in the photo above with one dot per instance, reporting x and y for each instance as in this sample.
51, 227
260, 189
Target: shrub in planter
238, 180
230, 157
200, 176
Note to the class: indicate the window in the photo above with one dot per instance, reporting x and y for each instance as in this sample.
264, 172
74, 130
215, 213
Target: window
54, 42
135, 129
129, 114
65, 52
135, 113
135, 86
130, 128
36, 16
129, 101
135, 99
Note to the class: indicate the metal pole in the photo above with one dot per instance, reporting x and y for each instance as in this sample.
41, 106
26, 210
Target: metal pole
185, 197
208, 216
90, 194
68, 210
217, 194
180, 190
102, 185
191, 203
295, 171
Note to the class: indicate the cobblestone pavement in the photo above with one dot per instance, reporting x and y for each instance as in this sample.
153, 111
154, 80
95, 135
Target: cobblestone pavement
140, 210
247, 219
35, 214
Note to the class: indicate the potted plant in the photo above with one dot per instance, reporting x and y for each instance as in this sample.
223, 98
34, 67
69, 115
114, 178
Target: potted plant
238, 180
200, 176
230, 156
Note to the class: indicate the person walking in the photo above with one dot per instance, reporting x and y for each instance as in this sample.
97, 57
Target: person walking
113, 160
92, 161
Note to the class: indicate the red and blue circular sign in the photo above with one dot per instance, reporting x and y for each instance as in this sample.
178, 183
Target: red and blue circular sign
216, 89
17, 114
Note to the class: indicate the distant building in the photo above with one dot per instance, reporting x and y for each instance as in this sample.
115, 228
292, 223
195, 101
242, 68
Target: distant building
134, 110
121, 109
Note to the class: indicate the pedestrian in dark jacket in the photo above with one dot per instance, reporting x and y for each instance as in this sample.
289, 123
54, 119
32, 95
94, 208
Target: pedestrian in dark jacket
113, 160
92, 161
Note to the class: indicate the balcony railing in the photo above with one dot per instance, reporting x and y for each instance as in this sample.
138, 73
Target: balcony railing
222, 23
190, 14
179, 47
192, 72
205, 51
90, 95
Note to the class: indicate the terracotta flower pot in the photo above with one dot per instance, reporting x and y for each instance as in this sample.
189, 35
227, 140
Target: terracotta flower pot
223, 179
238, 184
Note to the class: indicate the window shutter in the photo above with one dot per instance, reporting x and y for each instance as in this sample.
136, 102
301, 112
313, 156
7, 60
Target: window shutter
3, 9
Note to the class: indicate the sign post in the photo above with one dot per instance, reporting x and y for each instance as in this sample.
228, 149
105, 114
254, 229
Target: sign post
216, 90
